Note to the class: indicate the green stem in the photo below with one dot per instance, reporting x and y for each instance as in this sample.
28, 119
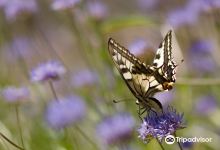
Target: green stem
86, 137
19, 125
53, 90
161, 146
73, 140
9, 141
178, 142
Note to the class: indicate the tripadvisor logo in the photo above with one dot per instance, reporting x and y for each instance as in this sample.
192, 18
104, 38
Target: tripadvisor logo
170, 139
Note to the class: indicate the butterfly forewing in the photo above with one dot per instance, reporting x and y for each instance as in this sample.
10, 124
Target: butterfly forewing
164, 60
134, 73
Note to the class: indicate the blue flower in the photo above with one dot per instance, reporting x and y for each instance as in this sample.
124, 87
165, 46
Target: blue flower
65, 111
138, 47
97, 10
203, 5
116, 129
64, 4
165, 97
15, 94
84, 78
14, 8
147, 4
187, 145
206, 104
159, 126
51, 70
200, 56
188, 17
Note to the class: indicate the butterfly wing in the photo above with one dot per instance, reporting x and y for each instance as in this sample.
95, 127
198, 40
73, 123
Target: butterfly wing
136, 74
164, 60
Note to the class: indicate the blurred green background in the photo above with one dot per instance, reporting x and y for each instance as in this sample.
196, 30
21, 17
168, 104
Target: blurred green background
75, 33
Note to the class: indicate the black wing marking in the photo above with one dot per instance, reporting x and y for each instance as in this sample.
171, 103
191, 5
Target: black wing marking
164, 59
131, 69
136, 75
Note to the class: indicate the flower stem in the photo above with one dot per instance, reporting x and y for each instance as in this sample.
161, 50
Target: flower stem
19, 125
178, 142
12, 143
86, 137
161, 146
53, 90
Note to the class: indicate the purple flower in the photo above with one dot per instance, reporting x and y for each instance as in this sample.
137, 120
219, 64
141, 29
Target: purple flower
138, 47
147, 4
159, 126
65, 111
13, 8
64, 4
206, 104
15, 94
84, 78
190, 12
22, 45
187, 145
116, 129
200, 56
165, 97
203, 5
2, 3
97, 10
188, 17
51, 70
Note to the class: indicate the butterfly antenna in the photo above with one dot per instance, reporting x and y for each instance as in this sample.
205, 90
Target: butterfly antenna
180, 62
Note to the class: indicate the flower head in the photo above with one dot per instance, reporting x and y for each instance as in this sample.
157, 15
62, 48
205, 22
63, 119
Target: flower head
203, 5
187, 145
138, 47
159, 126
206, 104
64, 112
13, 8
97, 10
165, 97
116, 129
200, 56
147, 4
84, 77
64, 4
51, 70
188, 17
15, 94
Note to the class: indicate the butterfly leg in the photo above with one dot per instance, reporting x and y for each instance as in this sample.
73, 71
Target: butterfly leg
141, 111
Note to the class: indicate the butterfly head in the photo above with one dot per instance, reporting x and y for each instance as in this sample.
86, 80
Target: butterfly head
168, 85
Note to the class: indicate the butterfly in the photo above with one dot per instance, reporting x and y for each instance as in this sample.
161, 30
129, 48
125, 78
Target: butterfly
146, 80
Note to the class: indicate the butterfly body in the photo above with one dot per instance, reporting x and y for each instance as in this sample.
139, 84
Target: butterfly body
145, 80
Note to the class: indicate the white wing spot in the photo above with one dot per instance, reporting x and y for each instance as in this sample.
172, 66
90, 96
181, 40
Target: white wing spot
127, 75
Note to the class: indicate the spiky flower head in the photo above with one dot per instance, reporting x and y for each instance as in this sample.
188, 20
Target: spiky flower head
159, 126
15, 94
51, 70
66, 111
14, 8
116, 129
64, 4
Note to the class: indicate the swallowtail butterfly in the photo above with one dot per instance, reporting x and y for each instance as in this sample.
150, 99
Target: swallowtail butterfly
145, 80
